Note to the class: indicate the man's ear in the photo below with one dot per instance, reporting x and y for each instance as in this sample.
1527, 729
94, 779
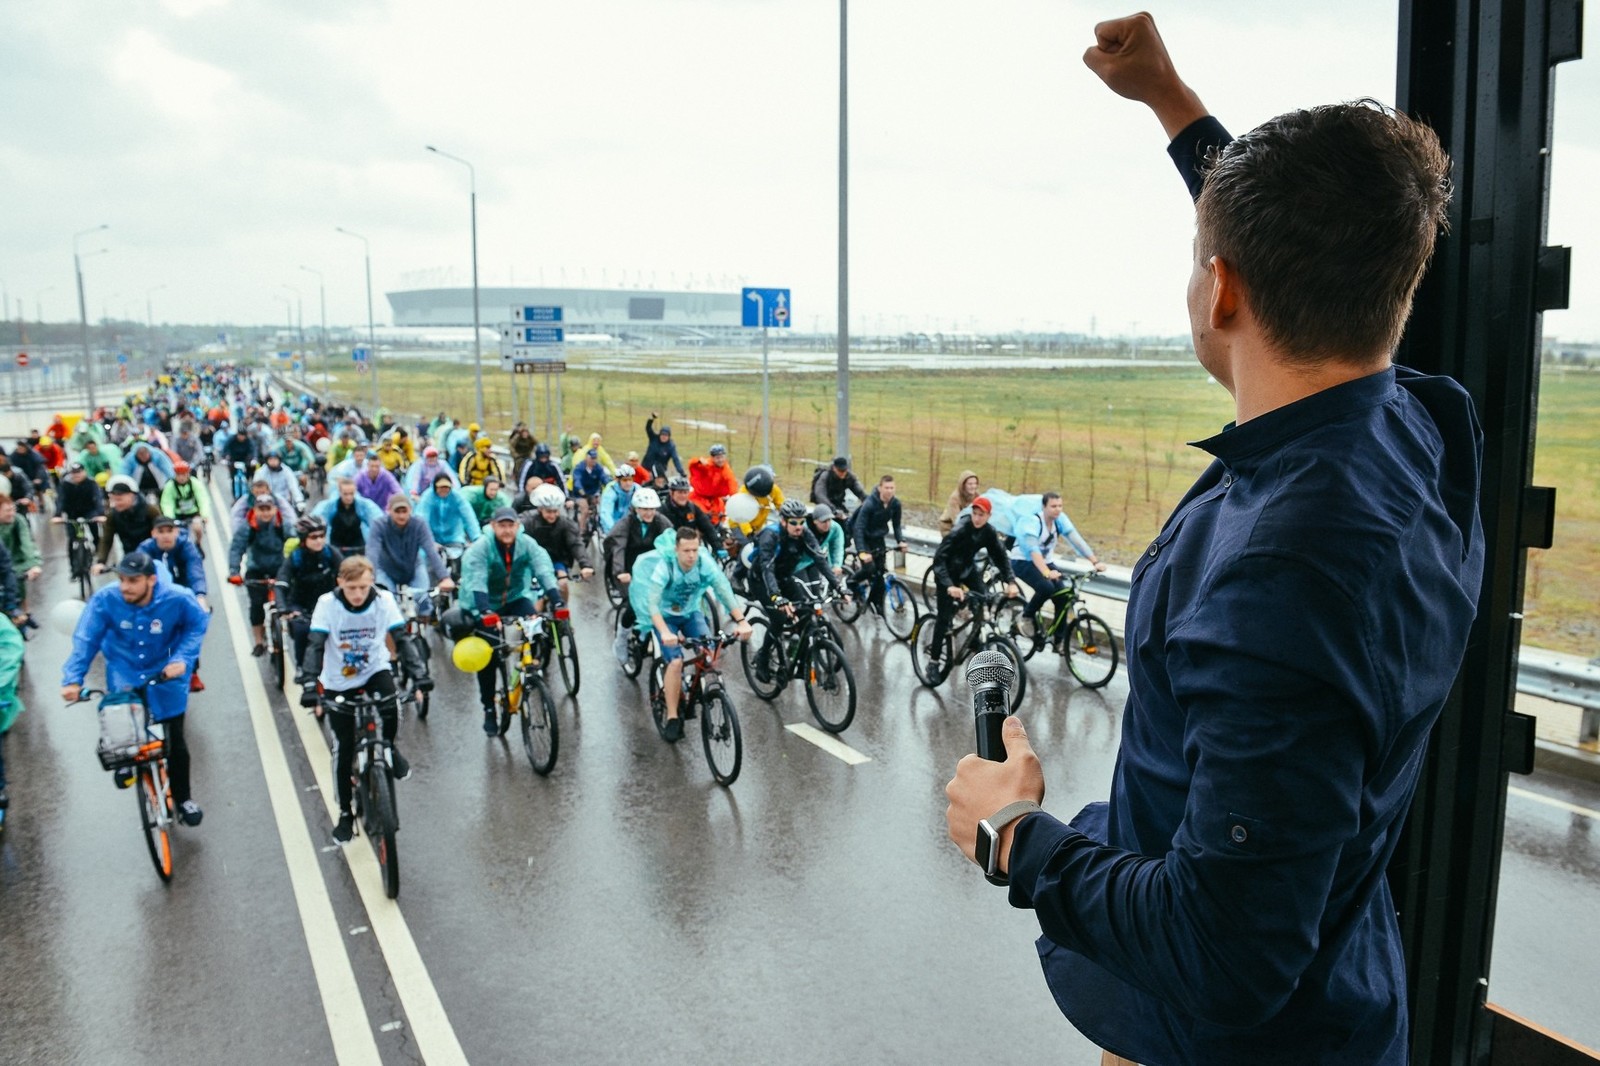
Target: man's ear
1226, 293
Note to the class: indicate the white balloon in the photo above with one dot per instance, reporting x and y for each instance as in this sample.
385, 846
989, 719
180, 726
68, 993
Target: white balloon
742, 508
64, 616
323, 444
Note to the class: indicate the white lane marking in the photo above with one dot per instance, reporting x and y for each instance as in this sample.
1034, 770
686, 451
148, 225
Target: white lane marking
1552, 801
430, 1026
828, 743
353, 1040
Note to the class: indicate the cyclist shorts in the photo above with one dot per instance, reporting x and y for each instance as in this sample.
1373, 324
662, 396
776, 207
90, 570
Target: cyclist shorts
693, 624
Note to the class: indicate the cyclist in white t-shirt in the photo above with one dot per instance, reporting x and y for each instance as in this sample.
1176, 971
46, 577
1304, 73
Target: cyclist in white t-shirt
349, 649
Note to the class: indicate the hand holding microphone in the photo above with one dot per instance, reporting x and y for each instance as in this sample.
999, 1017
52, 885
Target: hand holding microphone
1004, 771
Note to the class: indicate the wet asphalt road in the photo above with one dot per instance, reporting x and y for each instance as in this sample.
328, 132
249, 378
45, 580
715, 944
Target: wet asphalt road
626, 909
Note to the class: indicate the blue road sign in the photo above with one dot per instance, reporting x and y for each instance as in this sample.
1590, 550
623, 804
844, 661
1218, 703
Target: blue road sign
766, 307
284, 355
359, 355
122, 357
532, 313
538, 335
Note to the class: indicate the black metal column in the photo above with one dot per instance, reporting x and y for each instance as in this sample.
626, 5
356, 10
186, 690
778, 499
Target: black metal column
1481, 73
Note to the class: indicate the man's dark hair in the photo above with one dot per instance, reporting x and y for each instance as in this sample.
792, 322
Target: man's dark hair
1048, 496
1329, 216
887, 479
687, 533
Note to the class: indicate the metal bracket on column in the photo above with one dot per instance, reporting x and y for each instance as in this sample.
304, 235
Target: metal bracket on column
1552, 286
1516, 752
1538, 517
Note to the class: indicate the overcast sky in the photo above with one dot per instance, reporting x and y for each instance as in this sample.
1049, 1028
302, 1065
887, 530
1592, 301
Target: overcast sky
657, 143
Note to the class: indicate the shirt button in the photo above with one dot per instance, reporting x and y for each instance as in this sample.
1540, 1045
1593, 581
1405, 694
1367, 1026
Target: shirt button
1153, 549
1238, 834
1227, 479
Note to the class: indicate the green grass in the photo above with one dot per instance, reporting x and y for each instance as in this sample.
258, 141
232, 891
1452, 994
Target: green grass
1112, 441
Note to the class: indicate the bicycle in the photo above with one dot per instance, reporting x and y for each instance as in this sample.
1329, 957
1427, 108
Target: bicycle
811, 651
134, 748
899, 610
241, 480
80, 555
979, 630
374, 779
565, 645
444, 599
527, 640
407, 687
1065, 625
277, 592
704, 697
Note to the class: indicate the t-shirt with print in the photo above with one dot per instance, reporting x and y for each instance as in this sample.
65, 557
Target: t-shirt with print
356, 648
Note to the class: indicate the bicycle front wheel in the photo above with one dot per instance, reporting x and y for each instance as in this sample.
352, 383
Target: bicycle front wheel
922, 651
275, 648
1091, 651
1019, 682
765, 668
849, 610
155, 811
899, 607
567, 657
719, 735
382, 824
830, 686
930, 590
540, 735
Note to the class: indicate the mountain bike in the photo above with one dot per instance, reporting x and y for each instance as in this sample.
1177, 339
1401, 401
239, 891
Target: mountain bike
974, 628
134, 749
522, 689
277, 596
704, 697
80, 555
1065, 625
809, 650
407, 687
444, 599
899, 611
241, 480
375, 807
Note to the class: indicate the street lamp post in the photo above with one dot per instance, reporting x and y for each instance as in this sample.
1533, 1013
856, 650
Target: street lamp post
149, 315
322, 308
38, 305
372, 339
299, 323
83, 314
477, 341
843, 372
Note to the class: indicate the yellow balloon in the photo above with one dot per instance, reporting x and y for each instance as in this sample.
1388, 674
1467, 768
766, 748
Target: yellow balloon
471, 654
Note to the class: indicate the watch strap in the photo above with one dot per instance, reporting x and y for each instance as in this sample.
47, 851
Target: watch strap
994, 824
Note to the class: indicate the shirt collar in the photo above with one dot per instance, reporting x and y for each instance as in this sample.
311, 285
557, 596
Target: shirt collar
1247, 445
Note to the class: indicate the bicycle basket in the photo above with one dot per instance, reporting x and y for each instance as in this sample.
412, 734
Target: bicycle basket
121, 730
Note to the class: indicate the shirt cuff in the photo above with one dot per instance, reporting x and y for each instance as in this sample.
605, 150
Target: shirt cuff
1189, 149
1037, 837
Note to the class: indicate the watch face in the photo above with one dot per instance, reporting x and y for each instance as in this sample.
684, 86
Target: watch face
984, 851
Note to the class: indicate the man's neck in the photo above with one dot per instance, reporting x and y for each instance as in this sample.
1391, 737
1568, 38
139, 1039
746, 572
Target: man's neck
1264, 380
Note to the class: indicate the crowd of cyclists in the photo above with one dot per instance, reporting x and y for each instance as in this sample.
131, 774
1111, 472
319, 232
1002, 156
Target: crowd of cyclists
351, 526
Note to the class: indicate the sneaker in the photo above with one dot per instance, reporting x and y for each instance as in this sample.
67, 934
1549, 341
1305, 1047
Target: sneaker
422, 684
259, 650
673, 731
490, 727
935, 665
345, 831
189, 813
622, 647
505, 723
123, 778
398, 765
195, 684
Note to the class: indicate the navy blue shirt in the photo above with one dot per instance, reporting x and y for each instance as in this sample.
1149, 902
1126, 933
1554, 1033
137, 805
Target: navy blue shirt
1292, 634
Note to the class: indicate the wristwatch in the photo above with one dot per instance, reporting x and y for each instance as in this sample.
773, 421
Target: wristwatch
987, 850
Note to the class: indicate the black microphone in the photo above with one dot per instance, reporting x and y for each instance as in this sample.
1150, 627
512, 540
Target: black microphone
989, 676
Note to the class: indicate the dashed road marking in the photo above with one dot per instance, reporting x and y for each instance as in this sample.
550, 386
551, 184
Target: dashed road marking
828, 743
1553, 802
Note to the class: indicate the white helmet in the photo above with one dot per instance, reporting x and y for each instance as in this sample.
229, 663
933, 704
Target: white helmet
624, 472
643, 498
547, 496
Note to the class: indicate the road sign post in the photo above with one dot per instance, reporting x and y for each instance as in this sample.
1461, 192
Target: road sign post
771, 308
534, 342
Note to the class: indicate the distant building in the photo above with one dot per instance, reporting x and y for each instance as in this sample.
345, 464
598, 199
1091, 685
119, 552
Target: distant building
629, 316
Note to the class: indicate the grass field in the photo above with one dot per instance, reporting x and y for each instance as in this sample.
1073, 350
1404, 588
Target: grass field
1112, 441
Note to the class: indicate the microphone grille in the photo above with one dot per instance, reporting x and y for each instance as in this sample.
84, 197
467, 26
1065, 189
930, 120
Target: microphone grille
990, 668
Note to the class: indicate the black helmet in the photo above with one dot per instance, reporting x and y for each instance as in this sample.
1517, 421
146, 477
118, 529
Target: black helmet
758, 480
793, 509
541, 450
310, 524
679, 483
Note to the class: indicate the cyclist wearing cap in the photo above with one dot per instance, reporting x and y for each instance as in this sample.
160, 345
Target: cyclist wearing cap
184, 499
185, 566
830, 536
557, 534
358, 622
254, 554
681, 512
259, 487
660, 450
79, 496
589, 479
129, 520
144, 627
498, 573
630, 539
403, 552
832, 482
761, 483
671, 583
480, 465
616, 500
958, 566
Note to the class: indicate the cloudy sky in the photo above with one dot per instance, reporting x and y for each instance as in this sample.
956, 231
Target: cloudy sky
656, 143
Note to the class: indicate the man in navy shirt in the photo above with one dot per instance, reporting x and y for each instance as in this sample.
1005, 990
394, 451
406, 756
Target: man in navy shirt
1292, 632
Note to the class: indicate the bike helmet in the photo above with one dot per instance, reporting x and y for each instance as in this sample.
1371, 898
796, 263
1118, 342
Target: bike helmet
821, 513
678, 484
793, 509
547, 496
541, 451
309, 524
718, 449
646, 499
758, 480
121, 483
180, 467
624, 472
